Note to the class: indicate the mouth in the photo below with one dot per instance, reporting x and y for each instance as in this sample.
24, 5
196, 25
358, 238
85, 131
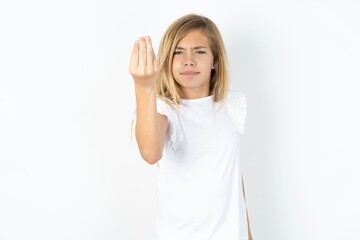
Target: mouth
189, 73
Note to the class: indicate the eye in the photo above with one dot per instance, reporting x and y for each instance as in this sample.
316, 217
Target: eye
177, 52
200, 52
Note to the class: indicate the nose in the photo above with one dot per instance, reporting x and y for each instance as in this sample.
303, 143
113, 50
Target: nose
189, 59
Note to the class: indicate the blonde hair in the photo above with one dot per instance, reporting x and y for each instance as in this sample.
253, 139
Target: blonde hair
166, 86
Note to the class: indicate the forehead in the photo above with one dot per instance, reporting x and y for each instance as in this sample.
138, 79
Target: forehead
194, 38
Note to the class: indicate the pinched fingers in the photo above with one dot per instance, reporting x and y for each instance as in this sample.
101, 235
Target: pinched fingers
143, 61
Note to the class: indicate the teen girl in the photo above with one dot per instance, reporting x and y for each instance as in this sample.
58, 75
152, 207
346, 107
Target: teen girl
188, 121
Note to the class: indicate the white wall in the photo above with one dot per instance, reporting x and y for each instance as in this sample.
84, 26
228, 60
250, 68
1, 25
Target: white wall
69, 170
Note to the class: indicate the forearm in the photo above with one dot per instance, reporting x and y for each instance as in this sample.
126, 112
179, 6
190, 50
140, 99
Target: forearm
150, 126
148, 131
248, 223
247, 214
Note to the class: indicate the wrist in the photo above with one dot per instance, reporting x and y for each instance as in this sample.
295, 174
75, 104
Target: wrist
142, 89
145, 95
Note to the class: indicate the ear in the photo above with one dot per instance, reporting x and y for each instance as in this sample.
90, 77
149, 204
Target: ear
214, 64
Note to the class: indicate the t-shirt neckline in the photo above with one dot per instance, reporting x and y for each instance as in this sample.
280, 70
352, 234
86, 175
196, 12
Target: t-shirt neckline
201, 99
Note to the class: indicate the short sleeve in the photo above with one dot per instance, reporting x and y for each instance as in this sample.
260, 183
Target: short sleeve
237, 108
175, 135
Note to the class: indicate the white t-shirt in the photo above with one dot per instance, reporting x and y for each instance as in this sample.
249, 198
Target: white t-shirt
200, 193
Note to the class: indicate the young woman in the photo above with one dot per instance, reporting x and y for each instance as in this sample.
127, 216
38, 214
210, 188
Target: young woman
188, 122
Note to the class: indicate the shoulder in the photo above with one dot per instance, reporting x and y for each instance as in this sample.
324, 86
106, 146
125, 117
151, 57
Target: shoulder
175, 132
236, 106
236, 98
164, 107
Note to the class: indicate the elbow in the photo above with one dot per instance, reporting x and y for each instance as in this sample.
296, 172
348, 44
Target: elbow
151, 157
150, 151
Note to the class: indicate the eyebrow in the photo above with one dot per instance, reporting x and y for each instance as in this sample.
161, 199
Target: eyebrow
194, 48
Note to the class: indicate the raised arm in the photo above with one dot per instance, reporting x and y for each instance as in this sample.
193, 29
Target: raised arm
150, 126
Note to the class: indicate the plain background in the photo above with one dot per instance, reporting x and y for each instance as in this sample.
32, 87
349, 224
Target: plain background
69, 168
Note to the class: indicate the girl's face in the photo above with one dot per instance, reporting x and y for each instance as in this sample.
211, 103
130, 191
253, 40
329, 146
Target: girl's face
192, 65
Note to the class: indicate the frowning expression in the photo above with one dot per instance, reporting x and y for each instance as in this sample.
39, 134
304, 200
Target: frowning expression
192, 64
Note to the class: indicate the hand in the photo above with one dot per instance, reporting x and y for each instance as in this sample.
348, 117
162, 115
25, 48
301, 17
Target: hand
143, 65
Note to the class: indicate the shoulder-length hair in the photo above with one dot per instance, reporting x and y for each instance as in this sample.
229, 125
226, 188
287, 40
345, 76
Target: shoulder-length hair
166, 86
